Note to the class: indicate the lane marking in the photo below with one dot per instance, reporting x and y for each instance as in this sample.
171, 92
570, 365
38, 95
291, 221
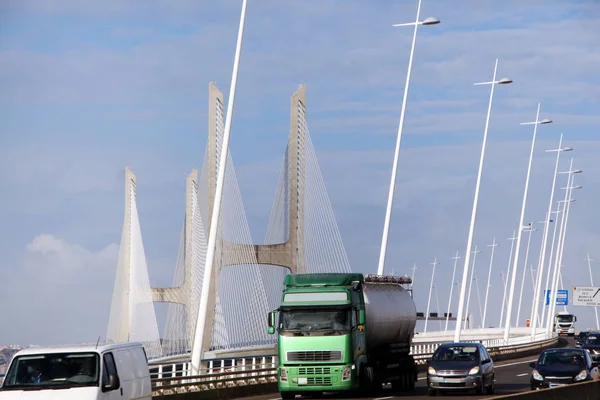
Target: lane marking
523, 374
384, 398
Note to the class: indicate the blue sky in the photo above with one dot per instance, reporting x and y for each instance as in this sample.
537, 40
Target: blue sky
89, 87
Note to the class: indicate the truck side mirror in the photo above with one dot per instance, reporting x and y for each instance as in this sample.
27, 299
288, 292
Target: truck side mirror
361, 317
271, 322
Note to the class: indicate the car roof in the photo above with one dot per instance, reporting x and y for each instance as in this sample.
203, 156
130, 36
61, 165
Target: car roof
77, 348
563, 349
456, 344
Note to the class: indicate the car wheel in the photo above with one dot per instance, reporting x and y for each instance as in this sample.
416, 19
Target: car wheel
431, 392
490, 389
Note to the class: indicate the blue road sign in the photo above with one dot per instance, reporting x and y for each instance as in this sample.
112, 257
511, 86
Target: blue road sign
562, 297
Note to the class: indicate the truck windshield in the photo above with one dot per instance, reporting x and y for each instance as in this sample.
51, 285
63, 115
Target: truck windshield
564, 318
329, 320
56, 371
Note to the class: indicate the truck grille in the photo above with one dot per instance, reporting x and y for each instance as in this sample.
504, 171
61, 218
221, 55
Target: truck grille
314, 371
319, 381
316, 355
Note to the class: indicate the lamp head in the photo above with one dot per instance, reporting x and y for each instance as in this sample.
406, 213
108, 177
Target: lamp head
430, 21
505, 81
545, 121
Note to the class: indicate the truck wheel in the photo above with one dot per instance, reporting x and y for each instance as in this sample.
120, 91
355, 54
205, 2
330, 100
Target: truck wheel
287, 395
367, 378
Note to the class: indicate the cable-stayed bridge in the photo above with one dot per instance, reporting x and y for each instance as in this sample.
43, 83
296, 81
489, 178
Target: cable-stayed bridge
247, 278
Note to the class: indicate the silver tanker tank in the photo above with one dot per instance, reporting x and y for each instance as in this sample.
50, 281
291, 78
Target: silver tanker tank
391, 314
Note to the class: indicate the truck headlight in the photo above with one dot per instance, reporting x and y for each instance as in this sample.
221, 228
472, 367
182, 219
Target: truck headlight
283, 375
582, 375
346, 374
474, 370
431, 371
536, 375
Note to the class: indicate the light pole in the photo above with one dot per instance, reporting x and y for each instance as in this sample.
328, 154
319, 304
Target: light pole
455, 258
478, 299
557, 212
487, 289
503, 297
559, 246
589, 261
463, 285
388, 213
471, 280
212, 239
437, 302
512, 243
434, 263
414, 268
518, 247
530, 229
536, 292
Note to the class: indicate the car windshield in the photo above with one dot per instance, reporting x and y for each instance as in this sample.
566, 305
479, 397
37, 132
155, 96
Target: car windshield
564, 318
315, 320
592, 339
456, 353
62, 370
562, 358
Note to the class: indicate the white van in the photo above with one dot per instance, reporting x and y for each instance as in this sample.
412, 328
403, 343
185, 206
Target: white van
107, 371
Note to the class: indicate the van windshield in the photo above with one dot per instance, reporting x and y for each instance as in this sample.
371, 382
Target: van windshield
56, 371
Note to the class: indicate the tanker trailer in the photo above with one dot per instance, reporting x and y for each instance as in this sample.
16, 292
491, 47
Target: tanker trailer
344, 332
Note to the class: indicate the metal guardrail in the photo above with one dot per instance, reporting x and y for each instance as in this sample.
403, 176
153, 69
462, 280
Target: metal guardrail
174, 378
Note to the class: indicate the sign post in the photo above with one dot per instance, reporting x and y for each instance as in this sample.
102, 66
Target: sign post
586, 296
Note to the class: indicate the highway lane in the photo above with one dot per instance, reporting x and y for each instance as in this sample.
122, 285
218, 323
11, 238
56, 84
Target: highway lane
512, 376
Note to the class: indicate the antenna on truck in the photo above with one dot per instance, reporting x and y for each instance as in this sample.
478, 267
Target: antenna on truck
98, 341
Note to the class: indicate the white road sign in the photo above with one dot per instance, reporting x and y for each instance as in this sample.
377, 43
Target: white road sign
586, 296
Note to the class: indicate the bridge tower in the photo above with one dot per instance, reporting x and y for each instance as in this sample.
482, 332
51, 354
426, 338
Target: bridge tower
289, 254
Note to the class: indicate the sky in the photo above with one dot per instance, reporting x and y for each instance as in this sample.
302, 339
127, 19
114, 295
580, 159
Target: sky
90, 87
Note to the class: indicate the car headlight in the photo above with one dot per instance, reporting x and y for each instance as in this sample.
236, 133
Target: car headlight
582, 375
474, 370
536, 375
431, 371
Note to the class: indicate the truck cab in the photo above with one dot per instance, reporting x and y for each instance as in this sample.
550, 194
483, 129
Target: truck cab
564, 323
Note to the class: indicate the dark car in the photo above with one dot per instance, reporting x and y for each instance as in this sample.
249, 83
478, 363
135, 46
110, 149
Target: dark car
581, 338
559, 367
592, 345
460, 366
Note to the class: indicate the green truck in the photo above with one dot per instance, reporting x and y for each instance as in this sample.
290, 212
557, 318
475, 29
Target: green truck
344, 332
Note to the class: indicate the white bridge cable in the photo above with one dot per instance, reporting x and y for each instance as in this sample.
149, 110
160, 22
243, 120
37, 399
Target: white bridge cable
324, 248
143, 325
175, 338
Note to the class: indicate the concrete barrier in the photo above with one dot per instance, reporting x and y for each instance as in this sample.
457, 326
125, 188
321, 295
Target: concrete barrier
575, 391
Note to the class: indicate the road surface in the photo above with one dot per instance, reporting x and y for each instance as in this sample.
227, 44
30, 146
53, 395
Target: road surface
512, 376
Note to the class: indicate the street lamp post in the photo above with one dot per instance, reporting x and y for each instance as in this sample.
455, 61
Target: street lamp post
478, 299
212, 239
589, 261
531, 230
512, 243
518, 247
388, 213
430, 289
487, 289
550, 258
560, 243
463, 285
455, 258
536, 293
471, 280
